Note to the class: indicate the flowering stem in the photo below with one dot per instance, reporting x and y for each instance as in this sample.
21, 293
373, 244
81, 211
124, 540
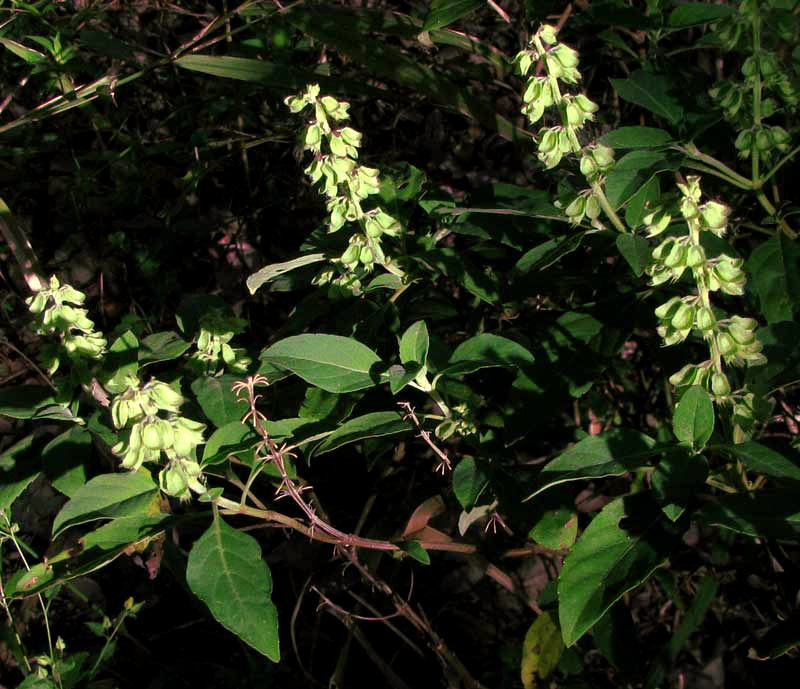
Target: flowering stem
611, 214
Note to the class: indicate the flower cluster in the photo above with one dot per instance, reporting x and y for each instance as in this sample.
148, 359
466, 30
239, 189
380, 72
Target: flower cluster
347, 186
544, 92
153, 411
731, 340
57, 307
765, 86
217, 329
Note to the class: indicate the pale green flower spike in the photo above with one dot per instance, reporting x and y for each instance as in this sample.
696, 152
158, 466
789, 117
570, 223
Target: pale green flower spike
543, 93
55, 306
731, 341
348, 186
152, 433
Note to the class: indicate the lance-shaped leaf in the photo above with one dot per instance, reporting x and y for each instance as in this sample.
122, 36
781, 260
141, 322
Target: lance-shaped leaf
367, 426
275, 270
610, 559
609, 454
225, 571
331, 362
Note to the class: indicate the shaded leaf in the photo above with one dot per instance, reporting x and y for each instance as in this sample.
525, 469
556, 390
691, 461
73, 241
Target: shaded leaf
651, 92
24, 401
609, 560
769, 513
637, 137
218, 400
774, 269
631, 171
19, 474
470, 478
609, 454
764, 460
274, 270
541, 651
693, 422
164, 346
65, 460
636, 251
225, 571
371, 425
694, 13
494, 349
445, 12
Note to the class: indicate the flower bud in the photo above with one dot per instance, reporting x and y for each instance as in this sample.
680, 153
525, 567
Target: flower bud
547, 34
350, 256
592, 207
676, 256
763, 142
151, 436
704, 319
720, 385
695, 256
668, 309
744, 142
715, 216
725, 344
684, 317
780, 138
367, 257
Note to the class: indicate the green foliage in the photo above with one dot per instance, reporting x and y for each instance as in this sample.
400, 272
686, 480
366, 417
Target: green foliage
459, 336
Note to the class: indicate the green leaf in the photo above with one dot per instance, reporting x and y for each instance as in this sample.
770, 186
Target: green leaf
331, 362
763, 460
541, 651
642, 203
631, 172
92, 551
493, 349
695, 13
121, 361
371, 425
25, 401
459, 267
774, 269
275, 270
239, 68
65, 459
415, 550
636, 251
613, 453
651, 92
470, 478
547, 253
108, 496
769, 513
557, 528
414, 344
678, 479
693, 422
637, 137
225, 571
609, 560
445, 12
218, 400
231, 438
163, 346
19, 475
30, 55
